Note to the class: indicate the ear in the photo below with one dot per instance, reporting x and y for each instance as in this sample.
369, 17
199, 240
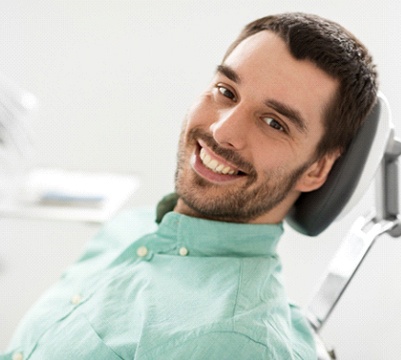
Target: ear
316, 174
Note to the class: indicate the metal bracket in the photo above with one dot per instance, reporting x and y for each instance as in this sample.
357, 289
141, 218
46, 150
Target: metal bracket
387, 191
344, 265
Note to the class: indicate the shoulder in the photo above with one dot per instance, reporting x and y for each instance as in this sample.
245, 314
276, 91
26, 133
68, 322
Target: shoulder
123, 229
130, 224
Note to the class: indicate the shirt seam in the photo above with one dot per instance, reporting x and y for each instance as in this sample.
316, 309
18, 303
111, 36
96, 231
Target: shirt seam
194, 337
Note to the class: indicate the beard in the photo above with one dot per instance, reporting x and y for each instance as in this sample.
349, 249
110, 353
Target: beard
259, 194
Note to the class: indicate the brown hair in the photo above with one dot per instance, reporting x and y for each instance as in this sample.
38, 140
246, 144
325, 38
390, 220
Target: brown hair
341, 55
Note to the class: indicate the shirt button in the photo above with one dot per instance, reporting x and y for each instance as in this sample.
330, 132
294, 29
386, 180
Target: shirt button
18, 356
142, 251
183, 251
76, 299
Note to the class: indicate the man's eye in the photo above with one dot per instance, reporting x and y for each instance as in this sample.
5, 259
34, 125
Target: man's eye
226, 92
274, 123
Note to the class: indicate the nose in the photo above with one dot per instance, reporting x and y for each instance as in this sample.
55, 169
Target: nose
230, 129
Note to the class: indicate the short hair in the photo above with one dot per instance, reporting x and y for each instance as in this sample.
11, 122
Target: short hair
337, 52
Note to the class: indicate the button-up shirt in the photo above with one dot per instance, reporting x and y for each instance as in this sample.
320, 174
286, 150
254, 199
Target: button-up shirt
191, 289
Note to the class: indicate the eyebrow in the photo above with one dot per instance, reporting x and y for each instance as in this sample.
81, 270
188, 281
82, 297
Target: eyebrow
292, 114
229, 73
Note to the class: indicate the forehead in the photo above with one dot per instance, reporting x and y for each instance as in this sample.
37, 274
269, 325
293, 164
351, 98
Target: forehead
266, 68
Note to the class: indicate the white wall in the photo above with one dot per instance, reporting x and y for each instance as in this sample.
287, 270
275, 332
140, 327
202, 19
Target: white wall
114, 80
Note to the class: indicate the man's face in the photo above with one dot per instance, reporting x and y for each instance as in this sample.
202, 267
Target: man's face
247, 146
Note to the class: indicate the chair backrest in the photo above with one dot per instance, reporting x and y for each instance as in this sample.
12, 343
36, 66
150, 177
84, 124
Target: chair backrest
350, 177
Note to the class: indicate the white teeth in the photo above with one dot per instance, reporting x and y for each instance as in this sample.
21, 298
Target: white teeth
202, 154
214, 165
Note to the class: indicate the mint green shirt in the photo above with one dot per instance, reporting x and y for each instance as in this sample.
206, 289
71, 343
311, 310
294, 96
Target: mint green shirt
191, 289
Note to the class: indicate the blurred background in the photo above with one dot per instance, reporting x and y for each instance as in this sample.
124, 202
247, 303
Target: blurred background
114, 79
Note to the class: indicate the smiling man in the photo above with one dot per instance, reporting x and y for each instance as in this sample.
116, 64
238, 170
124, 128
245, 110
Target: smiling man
249, 144
289, 95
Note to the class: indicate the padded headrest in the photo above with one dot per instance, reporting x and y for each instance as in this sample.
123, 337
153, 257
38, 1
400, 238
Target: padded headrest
349, 178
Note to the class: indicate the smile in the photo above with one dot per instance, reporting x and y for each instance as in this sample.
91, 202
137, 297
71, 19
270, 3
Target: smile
215, 165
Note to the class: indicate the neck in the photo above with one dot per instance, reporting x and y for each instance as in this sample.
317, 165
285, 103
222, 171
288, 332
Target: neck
274, 216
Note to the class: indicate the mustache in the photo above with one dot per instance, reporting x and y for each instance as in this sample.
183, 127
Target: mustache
230, 155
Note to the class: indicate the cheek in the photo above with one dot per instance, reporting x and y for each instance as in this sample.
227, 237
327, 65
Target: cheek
270, 152
202, 113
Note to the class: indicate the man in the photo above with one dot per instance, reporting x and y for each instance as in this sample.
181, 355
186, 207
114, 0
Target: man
289, 95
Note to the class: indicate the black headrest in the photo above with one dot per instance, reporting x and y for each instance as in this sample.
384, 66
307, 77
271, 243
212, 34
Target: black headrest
313, 212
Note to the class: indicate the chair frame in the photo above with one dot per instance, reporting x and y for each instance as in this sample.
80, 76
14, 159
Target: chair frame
366, 229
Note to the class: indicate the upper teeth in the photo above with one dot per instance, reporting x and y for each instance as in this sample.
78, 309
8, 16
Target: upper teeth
214, 165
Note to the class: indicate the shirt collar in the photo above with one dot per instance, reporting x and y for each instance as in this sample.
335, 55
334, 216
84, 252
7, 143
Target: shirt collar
217, 238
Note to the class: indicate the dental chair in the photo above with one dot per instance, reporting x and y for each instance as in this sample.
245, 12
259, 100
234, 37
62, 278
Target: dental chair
372, 155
